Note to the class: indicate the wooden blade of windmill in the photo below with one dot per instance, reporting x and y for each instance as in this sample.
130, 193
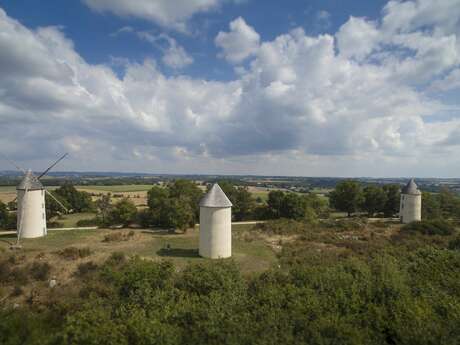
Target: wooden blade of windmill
21, 215
52, 166
13, 163
55, 199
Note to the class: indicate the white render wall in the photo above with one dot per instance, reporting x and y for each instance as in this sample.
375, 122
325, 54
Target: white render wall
410, 208
215, 232
34, 215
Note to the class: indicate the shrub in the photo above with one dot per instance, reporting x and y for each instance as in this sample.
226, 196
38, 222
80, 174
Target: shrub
351, 224
455, 243
17, 291
74, 253
118, 236
19, 275
430, 227
40, 270
116, 258
283, 227
54, 225
89, 222
85, 268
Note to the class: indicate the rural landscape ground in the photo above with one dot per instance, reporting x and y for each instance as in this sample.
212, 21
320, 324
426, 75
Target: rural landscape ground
313, 261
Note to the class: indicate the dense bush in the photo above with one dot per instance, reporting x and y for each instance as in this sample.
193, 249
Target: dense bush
430, 227
405, 298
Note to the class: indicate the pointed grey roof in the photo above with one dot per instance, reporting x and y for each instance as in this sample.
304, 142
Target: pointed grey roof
411, 188
30, 182
215, 198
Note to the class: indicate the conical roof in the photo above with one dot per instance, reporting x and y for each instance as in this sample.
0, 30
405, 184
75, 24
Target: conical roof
30, 182
411, 188
215, 198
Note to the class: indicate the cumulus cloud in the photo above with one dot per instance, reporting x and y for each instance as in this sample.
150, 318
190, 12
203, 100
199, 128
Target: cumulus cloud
357, 38
168, 13
174, 55
239, 43
304, 104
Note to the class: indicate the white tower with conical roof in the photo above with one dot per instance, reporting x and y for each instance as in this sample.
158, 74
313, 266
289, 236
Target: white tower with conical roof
410, 207
215, 224
31, 207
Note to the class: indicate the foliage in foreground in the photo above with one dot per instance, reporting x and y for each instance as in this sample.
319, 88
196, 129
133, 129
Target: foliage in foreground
431, 227
386, 297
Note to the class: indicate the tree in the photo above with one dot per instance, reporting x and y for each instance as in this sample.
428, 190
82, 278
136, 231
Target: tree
156, 195
393, 199
242, 200
7, 219
52, 207
189, 192
175, 206
449, 204
431, 207
347, 197
374, 199
123, 212
77, 201
177, 213
103, 205
293, 206
275, 203
186, 189
3, 215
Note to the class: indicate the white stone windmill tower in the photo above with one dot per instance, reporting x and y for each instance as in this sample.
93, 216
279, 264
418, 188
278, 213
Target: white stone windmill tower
215, 224
410, 207
31, 211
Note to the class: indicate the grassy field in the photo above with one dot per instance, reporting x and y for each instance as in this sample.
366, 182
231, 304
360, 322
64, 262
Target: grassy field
70, 220
150, 244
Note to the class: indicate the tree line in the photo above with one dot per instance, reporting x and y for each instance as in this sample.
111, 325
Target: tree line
351, 197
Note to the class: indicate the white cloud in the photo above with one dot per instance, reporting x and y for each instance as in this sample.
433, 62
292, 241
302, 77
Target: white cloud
168, 13
122, 30
174, 55
299, 107
241, 42
449, 82
357, 38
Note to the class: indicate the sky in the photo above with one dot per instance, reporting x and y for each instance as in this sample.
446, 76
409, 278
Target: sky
294, 87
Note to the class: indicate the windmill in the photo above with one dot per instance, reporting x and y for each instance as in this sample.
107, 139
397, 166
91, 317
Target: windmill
31, 212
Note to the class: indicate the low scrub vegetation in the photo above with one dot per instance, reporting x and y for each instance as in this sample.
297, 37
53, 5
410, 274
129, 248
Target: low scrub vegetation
118, 236
381, 299
430, 227
74, 253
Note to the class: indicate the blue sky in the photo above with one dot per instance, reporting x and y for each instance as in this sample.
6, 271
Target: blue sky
313, 88
91, 32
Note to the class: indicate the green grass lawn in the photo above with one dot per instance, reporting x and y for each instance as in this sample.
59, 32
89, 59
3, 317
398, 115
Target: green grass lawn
70, 220
251, 256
